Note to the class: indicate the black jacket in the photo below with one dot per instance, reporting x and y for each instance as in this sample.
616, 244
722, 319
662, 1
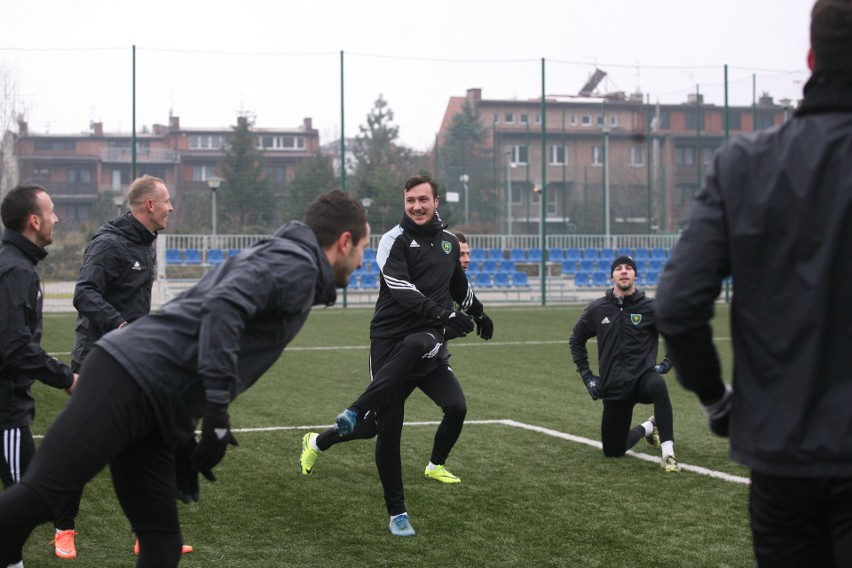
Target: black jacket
776, 214
216, 339
420, 273
627, 341
22, 360
114, 286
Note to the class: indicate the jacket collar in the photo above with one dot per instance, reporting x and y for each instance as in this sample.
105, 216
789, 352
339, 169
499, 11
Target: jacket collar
325, 291
826, 92
129, 226
32, 251
430, 229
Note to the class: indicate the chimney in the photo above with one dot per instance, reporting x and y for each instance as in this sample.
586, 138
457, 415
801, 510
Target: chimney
474, 95
693, 98
22, 127
98, 128
174, 123
308, 124
241, 122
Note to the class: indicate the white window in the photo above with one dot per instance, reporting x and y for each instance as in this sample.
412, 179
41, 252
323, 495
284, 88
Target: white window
525, 119
597, 155
277, 143
518, 154
538, 118
637, 156
573, 120
586, 120
613, 120
496, 118
206, 141
202, 172
600, 120
558, 155
509, 118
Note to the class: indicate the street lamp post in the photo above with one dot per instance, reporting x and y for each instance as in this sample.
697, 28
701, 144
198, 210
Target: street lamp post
213, 182
464, 179
606, 185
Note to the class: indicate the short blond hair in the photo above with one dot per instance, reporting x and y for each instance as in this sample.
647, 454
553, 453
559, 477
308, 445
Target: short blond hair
143, 188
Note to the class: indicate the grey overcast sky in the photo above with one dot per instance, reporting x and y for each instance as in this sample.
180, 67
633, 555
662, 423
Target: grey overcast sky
639, 36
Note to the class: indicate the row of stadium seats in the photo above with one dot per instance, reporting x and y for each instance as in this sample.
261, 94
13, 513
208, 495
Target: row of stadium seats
370, 280
570, 267
194, 256
599, 279
560, 255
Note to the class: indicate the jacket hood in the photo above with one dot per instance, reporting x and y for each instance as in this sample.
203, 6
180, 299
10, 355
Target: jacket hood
826, 92
129, 227
299, 233
31, 250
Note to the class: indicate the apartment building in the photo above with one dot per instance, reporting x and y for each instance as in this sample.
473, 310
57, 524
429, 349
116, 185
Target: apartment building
82, 170
647, 160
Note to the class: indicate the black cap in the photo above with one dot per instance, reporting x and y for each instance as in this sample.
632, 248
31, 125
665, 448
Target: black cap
623, 259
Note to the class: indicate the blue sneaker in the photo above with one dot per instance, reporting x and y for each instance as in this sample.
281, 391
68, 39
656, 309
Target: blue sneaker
345, 422
399, 525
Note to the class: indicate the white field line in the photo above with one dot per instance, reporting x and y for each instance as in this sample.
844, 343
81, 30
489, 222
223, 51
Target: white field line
454, 345
541, 430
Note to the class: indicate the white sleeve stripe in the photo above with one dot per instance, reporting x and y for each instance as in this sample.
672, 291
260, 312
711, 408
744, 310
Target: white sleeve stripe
399, 284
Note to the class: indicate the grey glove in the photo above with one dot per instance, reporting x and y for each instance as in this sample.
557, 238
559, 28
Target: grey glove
718, 413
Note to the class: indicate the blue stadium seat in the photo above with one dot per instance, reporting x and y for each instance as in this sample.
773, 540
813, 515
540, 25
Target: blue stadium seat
496, 254
573, 254
192, 256
534, 255
233, 252
501, 280
591, 253
607, 255
586, 265
581, 280
600, 279
353, 280
653, 278
625, 251
659, 253
519, 280
369, 254
656, 265
518, 255
482, 280
173, 256
215, 256
370, 280
477, 255
641, 253
489, 266
507, 265
555, 255
569, 267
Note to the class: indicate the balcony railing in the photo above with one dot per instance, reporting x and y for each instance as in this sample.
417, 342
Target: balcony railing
156, 155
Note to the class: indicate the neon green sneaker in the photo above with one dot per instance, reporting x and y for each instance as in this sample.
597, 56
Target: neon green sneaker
669, 464
309, 454
442, 474
653, 438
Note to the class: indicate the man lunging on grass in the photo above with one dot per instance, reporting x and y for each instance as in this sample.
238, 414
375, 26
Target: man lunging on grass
623, 322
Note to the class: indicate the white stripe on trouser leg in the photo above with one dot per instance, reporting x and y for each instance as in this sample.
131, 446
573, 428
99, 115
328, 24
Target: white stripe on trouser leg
12, 452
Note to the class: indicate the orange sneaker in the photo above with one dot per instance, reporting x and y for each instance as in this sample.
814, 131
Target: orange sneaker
64, 544
186, 549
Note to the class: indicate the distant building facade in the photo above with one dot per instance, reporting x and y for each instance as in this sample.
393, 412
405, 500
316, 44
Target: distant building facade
651, 157
80, 170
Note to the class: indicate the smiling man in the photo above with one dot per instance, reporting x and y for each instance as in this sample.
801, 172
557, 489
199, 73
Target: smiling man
623, 322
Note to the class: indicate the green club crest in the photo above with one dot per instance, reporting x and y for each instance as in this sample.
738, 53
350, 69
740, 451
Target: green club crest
446, 246
635, 318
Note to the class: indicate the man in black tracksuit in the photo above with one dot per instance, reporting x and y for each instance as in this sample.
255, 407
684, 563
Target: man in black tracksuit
776, 214
27, 213
144, 387
623, 322
419, 263
114, 289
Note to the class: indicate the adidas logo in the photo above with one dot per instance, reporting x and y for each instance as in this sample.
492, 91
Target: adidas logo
413, 245
605, 320
136, 266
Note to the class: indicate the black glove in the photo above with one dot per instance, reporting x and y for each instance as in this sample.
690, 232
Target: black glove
592, 383
664, 367
719, 413
456, 322
187, 478
484, 326
215, 437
